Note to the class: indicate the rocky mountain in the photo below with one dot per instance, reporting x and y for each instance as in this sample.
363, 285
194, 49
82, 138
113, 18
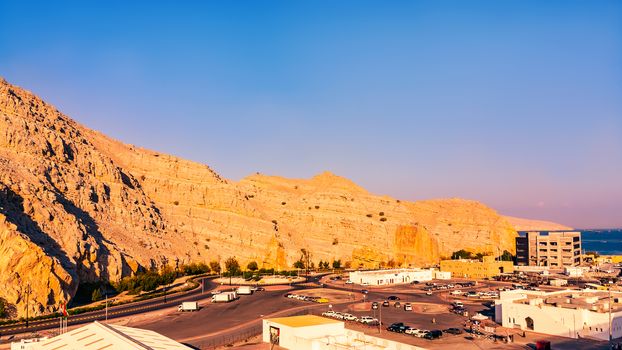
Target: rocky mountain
77, 206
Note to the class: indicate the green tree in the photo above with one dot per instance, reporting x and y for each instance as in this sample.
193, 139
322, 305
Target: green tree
97, 295
252, 266
320, 265
337, 264
232, 266
461, 254
299, 264
214, 266
506, 256
326, 265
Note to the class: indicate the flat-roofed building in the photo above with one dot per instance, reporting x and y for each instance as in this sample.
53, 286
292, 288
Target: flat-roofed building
396, 276
488, 267
309, 332
553, 249
103, 336
567, 313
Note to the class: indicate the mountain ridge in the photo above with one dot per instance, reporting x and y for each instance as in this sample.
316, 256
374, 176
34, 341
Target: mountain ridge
77, 206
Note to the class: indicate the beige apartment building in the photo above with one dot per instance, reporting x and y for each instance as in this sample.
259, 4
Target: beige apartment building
555, 249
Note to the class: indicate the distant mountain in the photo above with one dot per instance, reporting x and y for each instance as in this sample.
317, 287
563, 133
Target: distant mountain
536, 225
77, 206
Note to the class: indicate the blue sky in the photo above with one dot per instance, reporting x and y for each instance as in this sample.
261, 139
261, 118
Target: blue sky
514, 103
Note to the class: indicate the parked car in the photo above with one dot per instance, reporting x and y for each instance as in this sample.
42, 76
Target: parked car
408, 307
364, 291
330, 313
434, 334
471, 294
385, 303
428, 293
453, 330
456, 292
398, 327
397, 304
393, 297
368, 320
349, 282
419, 333
374, 305
349, 317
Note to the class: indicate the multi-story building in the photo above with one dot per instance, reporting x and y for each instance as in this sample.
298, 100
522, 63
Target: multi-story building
567, 313
472, 268
555, 249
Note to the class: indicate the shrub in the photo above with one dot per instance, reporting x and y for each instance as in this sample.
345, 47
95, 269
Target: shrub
317, 207
369, 215
383, 219
97, 295
176, 202
381, 213
335, 241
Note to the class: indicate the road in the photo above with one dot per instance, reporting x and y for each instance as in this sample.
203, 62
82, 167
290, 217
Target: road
113, 311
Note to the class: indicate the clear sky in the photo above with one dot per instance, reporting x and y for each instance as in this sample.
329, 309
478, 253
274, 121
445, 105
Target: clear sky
514, 103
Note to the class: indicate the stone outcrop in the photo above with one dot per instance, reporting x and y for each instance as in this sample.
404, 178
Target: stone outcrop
77, 206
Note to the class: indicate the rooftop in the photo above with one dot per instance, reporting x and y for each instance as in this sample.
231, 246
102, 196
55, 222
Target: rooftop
303, 321
597, 301
103, 336
388, 271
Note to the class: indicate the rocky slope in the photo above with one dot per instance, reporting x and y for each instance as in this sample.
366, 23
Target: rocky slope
77, 206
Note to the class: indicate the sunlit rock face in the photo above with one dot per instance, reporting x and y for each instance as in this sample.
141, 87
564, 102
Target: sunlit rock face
77, 206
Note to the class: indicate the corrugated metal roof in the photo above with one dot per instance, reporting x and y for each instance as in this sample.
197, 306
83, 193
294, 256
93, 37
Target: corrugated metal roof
100, 336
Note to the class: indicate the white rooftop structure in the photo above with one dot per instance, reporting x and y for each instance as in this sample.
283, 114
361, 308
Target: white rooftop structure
567, 313
397, 276
103, 336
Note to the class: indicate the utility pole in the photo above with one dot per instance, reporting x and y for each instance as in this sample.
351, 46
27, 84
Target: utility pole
106, 294
28, 291
380, 321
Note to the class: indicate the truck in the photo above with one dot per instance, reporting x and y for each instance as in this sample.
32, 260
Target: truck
224, 297
188, 306
244, 290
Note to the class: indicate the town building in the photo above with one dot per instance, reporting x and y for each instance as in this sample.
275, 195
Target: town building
98, 335
487, 267
555, 249
311, 332
568, 313
396, 276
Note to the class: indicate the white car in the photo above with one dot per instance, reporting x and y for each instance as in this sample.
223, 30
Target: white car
338, 315
419, 333
330, 313
456, 292
367, 319
349, 282
349, 317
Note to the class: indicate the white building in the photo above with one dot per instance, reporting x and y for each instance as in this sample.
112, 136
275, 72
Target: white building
567, 313
319, 333
575, 271
397, 276
103, 336
558, 282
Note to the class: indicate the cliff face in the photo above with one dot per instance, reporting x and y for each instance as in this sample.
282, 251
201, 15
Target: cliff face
76, 206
